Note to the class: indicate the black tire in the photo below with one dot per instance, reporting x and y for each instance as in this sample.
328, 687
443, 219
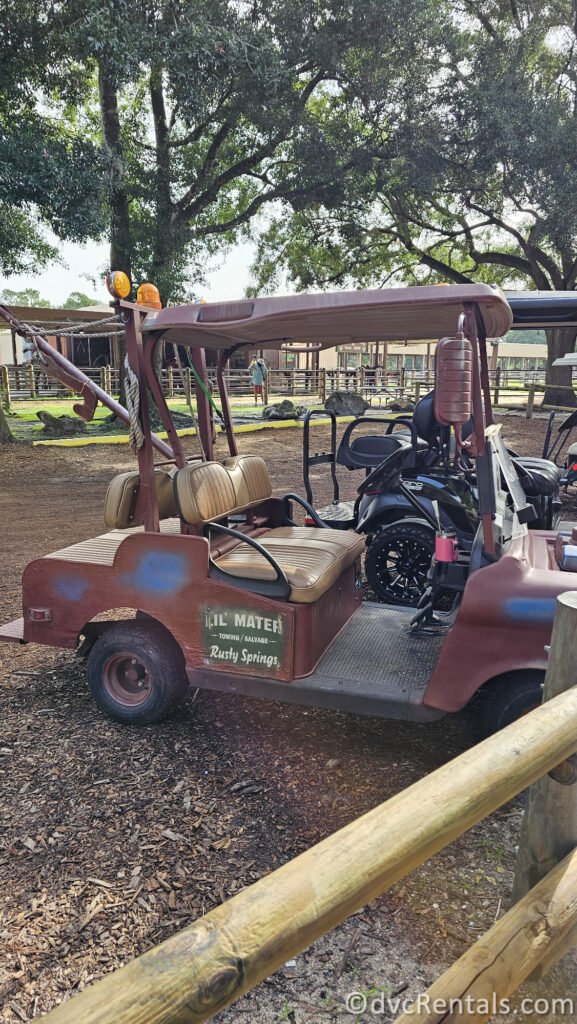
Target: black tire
506, 698
397, 562
136, 672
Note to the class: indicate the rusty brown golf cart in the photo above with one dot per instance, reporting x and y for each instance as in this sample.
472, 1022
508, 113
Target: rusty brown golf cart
230, 594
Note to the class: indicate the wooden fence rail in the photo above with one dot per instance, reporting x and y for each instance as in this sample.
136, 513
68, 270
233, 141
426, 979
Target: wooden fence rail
212, 962
536, 928
27, 383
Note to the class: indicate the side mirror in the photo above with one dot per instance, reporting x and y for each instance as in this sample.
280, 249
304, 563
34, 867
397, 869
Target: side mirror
453, 381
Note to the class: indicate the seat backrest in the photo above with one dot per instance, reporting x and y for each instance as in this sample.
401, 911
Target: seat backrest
122, 495
250, 479
211, 490
424, 419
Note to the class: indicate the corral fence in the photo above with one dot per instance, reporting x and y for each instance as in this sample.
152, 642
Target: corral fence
211, 963
518, 387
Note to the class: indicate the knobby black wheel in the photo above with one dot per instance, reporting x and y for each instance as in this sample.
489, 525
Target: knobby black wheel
397, 562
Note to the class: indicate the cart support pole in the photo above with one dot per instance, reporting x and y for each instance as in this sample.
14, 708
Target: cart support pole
202, 404
147, 500
549, 829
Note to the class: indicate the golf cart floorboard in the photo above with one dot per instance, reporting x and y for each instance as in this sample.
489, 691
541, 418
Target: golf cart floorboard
341, 513
376, 666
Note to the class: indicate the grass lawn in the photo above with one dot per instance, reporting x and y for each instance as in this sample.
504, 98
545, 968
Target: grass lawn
25, 424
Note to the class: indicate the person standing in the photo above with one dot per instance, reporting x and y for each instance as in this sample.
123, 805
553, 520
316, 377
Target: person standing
259, 372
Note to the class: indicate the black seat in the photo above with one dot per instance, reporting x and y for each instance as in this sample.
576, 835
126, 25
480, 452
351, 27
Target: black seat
424, 419
369, 450
539, 477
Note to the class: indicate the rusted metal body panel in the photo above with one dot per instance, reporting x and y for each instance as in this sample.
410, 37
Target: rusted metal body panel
166, 577
504, 621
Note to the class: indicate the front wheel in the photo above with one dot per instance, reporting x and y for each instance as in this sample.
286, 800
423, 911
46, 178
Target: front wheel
136, 672
397, 562
506, 698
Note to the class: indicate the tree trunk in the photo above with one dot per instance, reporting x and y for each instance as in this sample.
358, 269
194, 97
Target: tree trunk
164, 243
120, 234
559, 341
5, 432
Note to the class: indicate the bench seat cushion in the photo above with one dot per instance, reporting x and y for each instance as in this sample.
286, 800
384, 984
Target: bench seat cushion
312, 559
101, 550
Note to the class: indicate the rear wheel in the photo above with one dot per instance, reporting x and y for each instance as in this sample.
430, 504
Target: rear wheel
136, 672
506, 698
397, 562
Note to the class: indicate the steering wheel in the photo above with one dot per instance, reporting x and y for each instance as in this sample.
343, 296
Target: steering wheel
388, 471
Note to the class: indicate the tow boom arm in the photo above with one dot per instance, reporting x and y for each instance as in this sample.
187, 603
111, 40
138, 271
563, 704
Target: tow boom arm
57, 366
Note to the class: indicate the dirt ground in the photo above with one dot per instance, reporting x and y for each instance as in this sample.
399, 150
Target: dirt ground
113, 838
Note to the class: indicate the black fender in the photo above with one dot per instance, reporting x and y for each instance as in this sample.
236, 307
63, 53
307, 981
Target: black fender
380, 509
406, 521
384, 509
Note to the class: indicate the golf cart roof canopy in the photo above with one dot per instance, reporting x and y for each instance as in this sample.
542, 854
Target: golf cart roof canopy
331, 318
543, 309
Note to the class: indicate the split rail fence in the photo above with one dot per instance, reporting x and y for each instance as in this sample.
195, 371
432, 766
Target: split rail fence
28, 383
211, 963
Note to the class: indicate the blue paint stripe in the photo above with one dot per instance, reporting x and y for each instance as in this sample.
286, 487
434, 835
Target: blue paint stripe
531, 609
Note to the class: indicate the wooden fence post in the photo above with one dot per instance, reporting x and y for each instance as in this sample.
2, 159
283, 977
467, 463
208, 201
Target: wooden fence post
107, 385
417, 391
170, 382
293, 383
361, 386
478, 984
31, 381
6, 388
322, 385
530, 401
187, 385
549, 829
497, 384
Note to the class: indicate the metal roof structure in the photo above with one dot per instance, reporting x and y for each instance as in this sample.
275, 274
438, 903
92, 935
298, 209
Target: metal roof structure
331, 318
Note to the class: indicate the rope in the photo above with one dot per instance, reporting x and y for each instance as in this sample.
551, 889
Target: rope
132, 393
68, 327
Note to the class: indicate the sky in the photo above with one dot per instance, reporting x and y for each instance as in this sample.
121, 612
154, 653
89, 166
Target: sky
84, 270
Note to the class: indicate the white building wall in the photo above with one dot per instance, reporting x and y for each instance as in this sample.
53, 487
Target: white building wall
6, 353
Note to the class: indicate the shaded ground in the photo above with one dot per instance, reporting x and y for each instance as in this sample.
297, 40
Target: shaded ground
114, 837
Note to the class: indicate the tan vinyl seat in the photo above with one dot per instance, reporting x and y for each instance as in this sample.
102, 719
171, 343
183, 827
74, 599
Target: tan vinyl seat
311, 562
122, 495
209, 491
102, 550
311, 558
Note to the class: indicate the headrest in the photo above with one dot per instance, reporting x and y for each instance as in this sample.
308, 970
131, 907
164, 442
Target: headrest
122, 495
250, 479
204, 491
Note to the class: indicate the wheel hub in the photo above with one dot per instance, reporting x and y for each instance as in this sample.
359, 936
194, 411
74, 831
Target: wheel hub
127, 679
